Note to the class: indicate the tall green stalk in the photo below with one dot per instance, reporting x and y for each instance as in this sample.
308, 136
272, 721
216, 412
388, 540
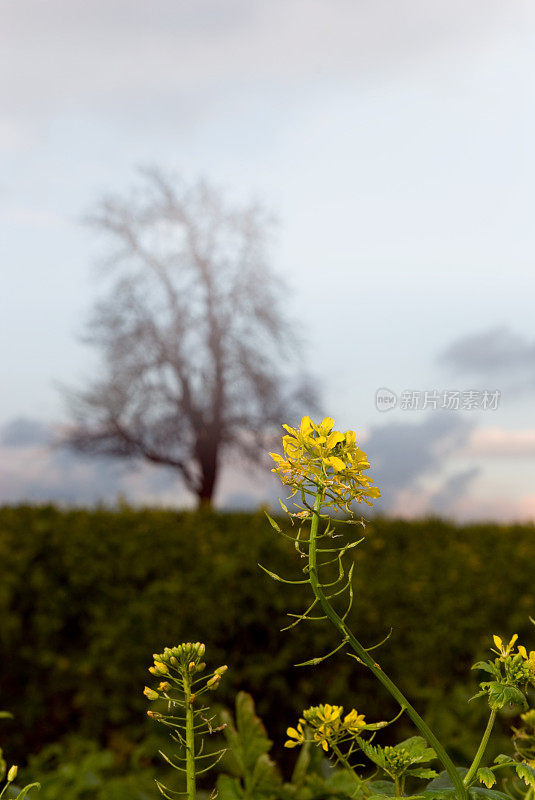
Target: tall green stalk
481, 749
191, 787
365, 657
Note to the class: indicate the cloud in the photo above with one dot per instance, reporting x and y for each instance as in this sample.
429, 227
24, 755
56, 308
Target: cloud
121, 56
454, 489
494, 354
500, 443
35, 470
414, 464
402, 453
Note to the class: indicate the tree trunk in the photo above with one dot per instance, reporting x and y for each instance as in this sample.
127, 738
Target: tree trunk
208, 458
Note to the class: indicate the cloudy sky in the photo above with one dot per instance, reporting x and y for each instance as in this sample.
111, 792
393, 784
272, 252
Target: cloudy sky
392, 139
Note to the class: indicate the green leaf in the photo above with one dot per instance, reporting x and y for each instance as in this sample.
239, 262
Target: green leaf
443, 780
476, 793
488, 666
501, 695
385, 788
272, 521
266, 778
417, 749
229, 788
422, 772
526, 773
375, 754
249, 747
340, 782
502, 759
486, 776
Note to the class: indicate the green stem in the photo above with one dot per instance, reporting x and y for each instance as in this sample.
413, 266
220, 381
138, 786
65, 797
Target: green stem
190, 741
345, 763
372, 665
481, 749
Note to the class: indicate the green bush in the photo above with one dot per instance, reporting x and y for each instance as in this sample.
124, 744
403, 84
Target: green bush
87, 596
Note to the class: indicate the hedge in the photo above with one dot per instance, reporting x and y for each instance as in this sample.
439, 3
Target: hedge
86, 597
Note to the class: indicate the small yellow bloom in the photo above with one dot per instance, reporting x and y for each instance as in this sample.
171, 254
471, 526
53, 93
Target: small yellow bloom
297, 736
501, 649
354, 722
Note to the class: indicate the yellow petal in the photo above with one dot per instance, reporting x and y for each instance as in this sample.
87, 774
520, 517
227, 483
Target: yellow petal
290, 743
497, 641
292, 732
325, 745
351, 437
306, 426
522, 650
290, 430
336, 463
334, 438
326, 424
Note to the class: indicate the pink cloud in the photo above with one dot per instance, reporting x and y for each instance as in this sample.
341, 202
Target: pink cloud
500, 443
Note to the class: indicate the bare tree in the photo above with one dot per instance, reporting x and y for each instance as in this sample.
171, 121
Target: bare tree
192, 335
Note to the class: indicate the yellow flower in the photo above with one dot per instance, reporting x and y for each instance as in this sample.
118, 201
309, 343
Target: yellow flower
297, 736
316, 456
354, 722
503, 650
325, 721
529, 658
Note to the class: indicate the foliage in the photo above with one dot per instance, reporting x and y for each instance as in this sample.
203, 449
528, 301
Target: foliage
77, 769
10, 789
178, 577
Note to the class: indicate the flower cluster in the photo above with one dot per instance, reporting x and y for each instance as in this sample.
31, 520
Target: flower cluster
180, 666
327, 726
512, 673
520, 666
318, 457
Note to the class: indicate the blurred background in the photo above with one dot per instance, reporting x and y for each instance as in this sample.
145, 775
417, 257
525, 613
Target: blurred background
219, 216
392, 142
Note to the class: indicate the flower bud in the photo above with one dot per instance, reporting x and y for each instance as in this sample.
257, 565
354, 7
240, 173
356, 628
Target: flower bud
12, 774
191, 666
150, 693
201, 666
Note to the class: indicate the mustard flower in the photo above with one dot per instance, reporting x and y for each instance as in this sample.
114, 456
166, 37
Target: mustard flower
316, 456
